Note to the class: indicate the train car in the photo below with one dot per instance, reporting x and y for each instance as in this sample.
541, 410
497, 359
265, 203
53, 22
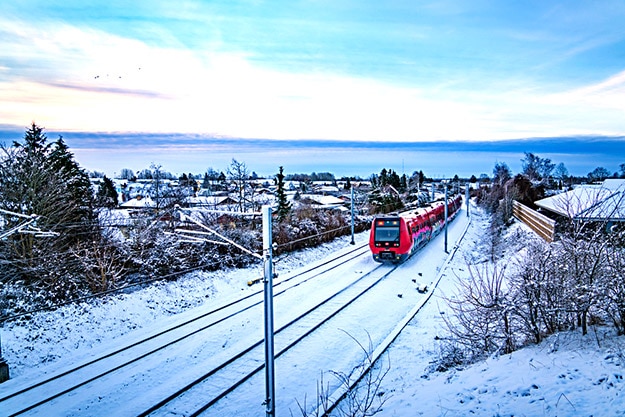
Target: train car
394, 238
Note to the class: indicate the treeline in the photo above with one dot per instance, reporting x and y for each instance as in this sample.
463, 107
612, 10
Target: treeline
308, 178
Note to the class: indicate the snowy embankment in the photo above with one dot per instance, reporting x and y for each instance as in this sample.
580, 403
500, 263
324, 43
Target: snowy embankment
568, 375
73, 332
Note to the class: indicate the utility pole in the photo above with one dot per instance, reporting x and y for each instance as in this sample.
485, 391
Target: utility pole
467, 195
266, 257
270, 386
353, 242
446, 222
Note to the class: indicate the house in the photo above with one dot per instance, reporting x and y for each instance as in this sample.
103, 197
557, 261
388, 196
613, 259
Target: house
210, 201
139, 202
604, 202
323, 201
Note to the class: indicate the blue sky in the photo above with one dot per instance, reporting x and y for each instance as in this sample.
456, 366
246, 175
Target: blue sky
395, 72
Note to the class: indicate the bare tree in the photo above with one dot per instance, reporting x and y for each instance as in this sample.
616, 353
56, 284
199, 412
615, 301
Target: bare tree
482, 318
501, 173
584, 246
104, 264
239, 174
613, 290
126, 174
536, 168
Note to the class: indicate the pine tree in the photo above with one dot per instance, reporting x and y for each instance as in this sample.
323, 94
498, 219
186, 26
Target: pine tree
42, 178
107, 194
284, 207
73, 180
403, 183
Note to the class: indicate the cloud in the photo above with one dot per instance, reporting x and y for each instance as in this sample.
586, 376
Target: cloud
71, 72
110, 90
69, 77
607, 93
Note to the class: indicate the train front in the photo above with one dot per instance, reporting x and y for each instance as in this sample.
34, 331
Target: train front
389, 240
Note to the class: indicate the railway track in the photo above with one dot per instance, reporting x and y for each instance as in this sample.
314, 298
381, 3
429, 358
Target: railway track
248, 362
32, 396
226, 378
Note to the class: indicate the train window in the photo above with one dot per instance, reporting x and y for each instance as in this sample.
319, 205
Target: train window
387, 234
387, 231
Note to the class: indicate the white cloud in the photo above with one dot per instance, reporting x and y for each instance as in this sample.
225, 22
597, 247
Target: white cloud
71, 78
96, 80
609, 93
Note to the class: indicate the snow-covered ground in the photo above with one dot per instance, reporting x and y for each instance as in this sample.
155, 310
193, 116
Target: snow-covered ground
568, 375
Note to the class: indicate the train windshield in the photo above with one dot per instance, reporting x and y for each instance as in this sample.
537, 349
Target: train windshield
387, 230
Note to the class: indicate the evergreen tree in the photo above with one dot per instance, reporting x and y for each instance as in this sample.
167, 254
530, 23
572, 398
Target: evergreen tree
43, 179
403, 183
74, 179
284, 207
47, 181
107, 194
394, 180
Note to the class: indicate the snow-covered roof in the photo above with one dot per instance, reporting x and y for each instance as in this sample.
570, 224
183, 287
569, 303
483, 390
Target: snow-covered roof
209, 201
143, 202
327, 189
590, 203
614, 184
324, 200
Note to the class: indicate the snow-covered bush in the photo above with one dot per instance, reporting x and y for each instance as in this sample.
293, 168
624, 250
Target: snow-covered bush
450, 355
572, 283
309, 227
612, 298
483, 319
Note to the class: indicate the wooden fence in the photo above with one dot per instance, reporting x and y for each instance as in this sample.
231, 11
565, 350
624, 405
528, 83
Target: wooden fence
539, 223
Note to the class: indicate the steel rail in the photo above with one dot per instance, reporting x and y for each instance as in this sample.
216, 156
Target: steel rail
246, 351
353, 254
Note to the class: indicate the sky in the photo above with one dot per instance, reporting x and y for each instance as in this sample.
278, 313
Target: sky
392, 72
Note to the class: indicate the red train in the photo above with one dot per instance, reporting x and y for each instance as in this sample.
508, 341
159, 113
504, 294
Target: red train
395, 238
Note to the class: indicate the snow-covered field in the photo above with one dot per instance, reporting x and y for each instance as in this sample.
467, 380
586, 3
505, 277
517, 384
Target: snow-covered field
568, 375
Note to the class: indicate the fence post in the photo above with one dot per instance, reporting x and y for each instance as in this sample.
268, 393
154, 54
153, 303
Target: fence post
467, 196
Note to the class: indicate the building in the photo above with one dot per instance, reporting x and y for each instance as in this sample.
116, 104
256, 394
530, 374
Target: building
590, 203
